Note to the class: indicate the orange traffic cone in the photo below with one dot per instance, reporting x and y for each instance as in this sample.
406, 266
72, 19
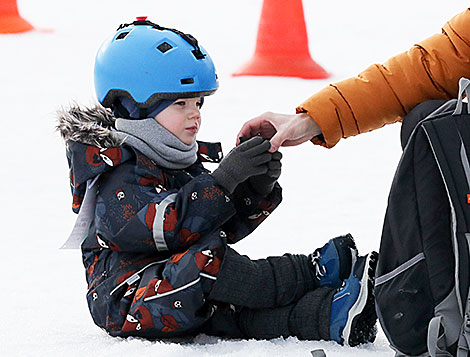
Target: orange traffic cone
282, 44
10, 19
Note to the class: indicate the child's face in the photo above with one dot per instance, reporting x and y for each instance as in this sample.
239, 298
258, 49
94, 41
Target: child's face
182, 118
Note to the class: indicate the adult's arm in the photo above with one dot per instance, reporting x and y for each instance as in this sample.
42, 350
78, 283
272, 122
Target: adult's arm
383, 94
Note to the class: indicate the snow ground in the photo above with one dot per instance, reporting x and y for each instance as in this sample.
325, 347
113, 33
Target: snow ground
326, 192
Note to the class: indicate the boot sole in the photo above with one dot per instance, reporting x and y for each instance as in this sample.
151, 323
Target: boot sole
360, 327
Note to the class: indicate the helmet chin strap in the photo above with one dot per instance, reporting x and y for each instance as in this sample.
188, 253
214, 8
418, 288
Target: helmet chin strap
186, 36
119, 111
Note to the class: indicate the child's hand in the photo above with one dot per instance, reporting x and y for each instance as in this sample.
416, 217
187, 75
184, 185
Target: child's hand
264, 183
250, 158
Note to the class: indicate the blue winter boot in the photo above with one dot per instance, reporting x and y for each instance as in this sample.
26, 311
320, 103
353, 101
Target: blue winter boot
333, 262
353, 316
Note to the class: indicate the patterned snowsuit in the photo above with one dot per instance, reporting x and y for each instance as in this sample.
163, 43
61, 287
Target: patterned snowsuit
158, 238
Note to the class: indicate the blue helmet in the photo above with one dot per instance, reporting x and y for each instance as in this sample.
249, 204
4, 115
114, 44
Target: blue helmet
146, 63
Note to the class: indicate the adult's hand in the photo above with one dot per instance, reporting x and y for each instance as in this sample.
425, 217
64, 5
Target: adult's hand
281, 129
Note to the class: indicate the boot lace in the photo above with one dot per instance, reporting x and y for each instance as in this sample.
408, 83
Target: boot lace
320, 270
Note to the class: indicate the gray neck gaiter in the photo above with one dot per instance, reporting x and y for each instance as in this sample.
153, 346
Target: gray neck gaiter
156, 142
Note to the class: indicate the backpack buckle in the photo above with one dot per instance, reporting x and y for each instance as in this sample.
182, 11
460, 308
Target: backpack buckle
466, 322
466, 325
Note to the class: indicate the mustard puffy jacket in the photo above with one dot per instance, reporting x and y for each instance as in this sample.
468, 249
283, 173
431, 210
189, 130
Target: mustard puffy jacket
383, 94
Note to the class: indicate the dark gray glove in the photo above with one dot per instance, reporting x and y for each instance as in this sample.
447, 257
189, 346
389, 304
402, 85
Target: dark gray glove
248, 159
264, 183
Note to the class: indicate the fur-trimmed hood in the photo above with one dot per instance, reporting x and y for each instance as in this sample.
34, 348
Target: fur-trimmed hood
90, 126
91, 146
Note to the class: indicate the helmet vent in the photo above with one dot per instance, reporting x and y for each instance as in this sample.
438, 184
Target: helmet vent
187, 81
122, 35
164, 47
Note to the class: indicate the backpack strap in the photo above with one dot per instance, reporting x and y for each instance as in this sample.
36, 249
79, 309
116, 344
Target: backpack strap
464, 86
464, 340
436, 338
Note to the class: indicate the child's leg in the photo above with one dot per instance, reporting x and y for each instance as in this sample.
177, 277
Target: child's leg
346, 315
308, 318
280, 281
262, 283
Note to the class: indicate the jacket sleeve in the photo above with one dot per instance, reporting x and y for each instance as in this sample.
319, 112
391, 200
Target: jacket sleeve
251, 209
134, 217
383, 94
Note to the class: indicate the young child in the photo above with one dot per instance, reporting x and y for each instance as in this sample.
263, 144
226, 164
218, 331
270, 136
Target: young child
158, 224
